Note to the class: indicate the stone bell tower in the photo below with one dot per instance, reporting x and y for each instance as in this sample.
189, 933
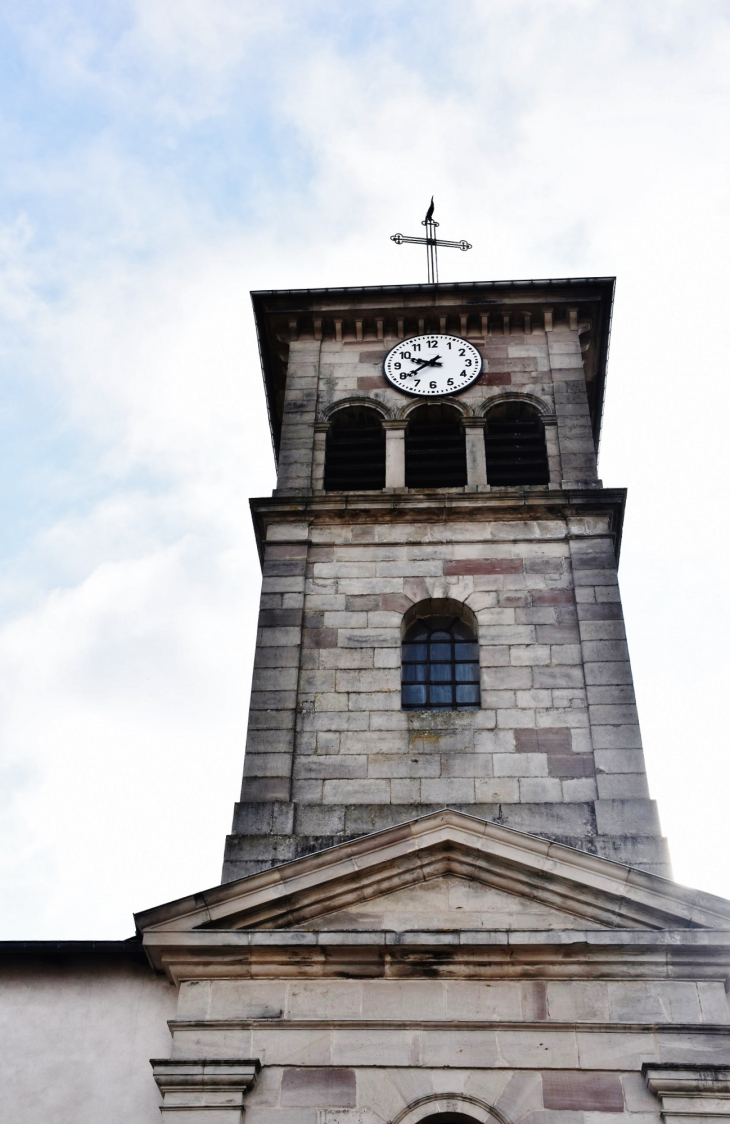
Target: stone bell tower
483, 508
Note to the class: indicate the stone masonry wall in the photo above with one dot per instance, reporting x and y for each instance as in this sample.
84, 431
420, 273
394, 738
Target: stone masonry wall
554, 750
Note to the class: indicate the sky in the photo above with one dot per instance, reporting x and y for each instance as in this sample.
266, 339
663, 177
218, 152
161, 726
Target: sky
163, 158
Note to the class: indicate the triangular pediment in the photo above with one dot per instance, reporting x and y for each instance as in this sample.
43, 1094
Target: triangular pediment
446, 903
476, 874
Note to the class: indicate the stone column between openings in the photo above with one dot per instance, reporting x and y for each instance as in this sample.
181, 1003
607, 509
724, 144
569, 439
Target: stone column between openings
575, 435
395, 453
476, 454
297, 430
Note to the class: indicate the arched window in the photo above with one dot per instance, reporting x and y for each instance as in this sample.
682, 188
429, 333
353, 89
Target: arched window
440, 665
435, 448
355, 451
515, 444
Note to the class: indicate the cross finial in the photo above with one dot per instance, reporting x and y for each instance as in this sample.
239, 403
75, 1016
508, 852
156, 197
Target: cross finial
431, 242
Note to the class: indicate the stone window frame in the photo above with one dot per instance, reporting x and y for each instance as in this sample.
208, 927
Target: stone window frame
431, 607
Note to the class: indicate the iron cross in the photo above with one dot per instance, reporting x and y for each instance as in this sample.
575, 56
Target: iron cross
431, 242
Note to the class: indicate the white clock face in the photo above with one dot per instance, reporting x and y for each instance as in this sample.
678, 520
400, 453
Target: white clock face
432, 365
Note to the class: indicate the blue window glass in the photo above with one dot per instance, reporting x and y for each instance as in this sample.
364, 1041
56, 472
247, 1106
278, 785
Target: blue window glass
440, 662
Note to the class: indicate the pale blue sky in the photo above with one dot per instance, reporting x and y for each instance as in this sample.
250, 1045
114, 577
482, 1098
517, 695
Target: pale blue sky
163, 158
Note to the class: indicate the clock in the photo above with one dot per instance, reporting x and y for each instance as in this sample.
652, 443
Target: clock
432, 366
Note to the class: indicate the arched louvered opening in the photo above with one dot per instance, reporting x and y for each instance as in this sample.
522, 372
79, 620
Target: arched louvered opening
515, 444
435, 448
440, 665
355, 451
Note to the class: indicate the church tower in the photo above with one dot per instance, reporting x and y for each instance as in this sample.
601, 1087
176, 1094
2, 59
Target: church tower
440, 620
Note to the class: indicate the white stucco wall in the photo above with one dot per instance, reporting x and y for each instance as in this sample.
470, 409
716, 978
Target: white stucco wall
76, 1037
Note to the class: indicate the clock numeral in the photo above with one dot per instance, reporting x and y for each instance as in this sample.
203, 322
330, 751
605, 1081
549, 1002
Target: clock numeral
468, 363
432, 343
432, 385
449, 345
406, 354
417, 382
449, 382
403, 375
397, 366
462, 375
416, 347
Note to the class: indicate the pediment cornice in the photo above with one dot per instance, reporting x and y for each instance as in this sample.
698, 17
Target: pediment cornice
582, 886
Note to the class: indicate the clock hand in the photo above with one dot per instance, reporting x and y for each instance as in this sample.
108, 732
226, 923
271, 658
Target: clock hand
428, 363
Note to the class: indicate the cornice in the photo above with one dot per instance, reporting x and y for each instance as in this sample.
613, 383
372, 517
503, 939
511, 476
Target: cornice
452, 506
560, 956
441, 1024
280, 313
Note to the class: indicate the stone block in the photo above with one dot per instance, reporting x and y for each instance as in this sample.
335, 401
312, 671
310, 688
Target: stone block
607, 674
613, 715
497, 699
405, 791
368, 680
331, 766
556, 634
571, 765
622, 786
497, 790
615, 695
494, 741
619, 761
616, 737
508, 634
507, 678
529, 655
273, 700
330, 701
565, 654
627, 817
464, 765
606, 611
406, 765
583, 1092
464, 566
565, 676
356, 792
307, 791
319, 1088
319, 638
535, 697
338, 619
277, 657
580, 789
256, 789
346, 658
562, 716
367, 638
553, 597
375, 701
267, 764
319, 819
520, 765
513, 719
447, 790
556, 740
602, 630
279, 637
537, 789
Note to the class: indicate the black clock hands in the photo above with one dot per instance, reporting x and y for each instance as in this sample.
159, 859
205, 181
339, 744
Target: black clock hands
427, 363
